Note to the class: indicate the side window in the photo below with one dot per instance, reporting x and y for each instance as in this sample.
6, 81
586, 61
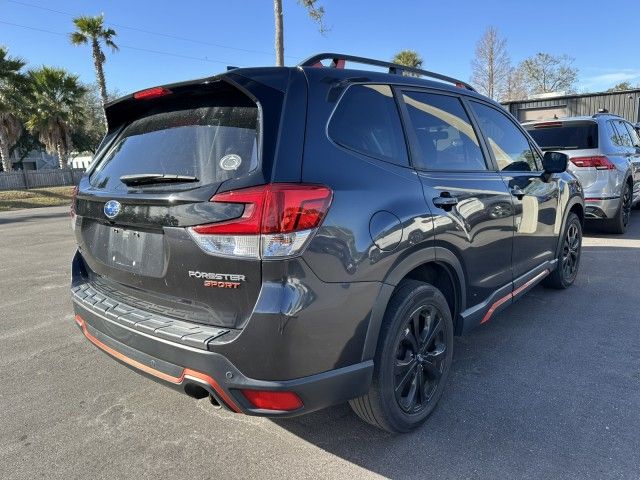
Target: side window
635, 140
509, 145
621, 137
614, 138
367, 120
444, 133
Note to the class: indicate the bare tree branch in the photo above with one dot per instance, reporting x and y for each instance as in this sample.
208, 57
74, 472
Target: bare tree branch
545, 73
491, 65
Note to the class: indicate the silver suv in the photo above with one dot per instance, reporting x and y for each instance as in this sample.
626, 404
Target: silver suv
604, 153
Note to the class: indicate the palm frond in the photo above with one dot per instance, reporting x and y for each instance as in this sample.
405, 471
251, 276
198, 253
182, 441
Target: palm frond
112, 45
55, 107
78, 38
9, 66
90, 26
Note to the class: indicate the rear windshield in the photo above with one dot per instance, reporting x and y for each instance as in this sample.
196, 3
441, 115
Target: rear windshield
211, 143
572, 136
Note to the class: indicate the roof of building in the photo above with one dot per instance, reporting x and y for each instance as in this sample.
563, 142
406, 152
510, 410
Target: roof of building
573, 95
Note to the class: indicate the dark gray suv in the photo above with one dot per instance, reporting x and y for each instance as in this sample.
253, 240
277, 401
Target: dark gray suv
285, 239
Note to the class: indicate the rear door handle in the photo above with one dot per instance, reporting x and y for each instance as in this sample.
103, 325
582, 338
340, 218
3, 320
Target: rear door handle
447, 202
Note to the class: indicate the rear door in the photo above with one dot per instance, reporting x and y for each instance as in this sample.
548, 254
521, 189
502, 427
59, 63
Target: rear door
167, 157
537, 212
473, 213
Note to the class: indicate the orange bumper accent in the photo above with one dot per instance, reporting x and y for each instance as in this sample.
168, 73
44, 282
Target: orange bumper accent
511, 295
186, 373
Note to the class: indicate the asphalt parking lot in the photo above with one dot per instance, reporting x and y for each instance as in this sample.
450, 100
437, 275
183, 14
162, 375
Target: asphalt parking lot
550, 388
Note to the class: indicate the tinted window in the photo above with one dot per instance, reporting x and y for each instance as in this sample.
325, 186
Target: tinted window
509, 145
567, 136
445, 136
621, 136
633, 134
367, 121
210, 143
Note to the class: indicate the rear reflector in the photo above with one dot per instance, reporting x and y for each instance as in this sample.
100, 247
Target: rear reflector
600, 162
277, 221
151, 93
270, 400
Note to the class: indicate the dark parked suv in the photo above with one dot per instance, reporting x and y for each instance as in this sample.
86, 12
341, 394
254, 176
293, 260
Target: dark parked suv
285, 239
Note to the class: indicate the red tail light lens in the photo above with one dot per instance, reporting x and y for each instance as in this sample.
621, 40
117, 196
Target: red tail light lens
600, 162
269, 400
273, 208
277, 222
150, 93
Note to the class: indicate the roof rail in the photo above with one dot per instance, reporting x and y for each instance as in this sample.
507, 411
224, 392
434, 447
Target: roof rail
607, 113
338, 60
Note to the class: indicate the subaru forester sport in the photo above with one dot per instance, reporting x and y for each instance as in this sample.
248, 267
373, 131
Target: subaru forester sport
285, 239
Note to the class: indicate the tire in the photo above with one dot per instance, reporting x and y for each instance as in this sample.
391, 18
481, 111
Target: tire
569, 257
618, 224
424, 359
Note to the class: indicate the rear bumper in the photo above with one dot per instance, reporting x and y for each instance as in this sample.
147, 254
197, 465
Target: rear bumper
601, 208
183, 367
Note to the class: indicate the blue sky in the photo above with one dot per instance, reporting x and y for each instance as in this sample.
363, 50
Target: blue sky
216, 33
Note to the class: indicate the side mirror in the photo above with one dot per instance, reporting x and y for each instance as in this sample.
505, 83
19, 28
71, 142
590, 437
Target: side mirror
554, 162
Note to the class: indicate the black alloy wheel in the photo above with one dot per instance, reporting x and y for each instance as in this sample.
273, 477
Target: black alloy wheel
570, 259
420, 359
412, 361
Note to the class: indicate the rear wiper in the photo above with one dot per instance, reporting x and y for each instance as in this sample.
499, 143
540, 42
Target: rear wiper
558, 147
145, 178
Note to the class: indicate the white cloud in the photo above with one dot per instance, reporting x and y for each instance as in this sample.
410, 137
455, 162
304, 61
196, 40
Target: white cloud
603, 81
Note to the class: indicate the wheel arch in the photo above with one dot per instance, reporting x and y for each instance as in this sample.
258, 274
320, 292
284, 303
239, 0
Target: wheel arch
574, 205
437, 266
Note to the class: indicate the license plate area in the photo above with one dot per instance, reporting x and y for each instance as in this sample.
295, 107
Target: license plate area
132, 250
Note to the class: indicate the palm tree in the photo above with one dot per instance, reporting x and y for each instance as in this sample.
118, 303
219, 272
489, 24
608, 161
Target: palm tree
408, 58
10, 125
315, 12
91, 30
55, 107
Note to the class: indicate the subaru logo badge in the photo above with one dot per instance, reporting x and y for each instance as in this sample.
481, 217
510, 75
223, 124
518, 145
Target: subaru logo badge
112, 209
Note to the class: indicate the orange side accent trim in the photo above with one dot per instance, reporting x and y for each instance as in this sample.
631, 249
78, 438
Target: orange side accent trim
186, 373
487, 315
511, 295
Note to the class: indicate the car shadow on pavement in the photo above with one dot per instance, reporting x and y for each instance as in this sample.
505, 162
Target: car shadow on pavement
547, 389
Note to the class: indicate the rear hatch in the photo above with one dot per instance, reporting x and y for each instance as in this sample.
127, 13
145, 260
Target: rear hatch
576, 138
168, 151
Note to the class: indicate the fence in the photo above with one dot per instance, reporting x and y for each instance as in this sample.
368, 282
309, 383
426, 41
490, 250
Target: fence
22, 179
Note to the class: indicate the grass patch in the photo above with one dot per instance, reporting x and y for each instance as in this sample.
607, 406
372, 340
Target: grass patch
34, 198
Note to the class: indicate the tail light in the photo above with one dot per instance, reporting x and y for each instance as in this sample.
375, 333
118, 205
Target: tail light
270, 400
277, 222
72, 210
599, 162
